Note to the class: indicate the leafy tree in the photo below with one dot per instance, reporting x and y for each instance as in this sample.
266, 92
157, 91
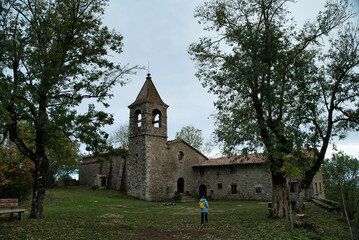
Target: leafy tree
119, 144
53, 56
332, 106
63, 154
64, 160
120, 137
341, 173
192, 136
266, 74
16, 179
15, 172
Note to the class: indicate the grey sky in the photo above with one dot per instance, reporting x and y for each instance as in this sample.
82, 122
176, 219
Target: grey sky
159, 32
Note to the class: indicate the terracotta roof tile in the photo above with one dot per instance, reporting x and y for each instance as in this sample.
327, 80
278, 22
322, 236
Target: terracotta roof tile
255, 158
148, 93
235, 160
84, 162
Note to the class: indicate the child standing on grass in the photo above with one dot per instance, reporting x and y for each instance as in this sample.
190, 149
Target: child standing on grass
203, 205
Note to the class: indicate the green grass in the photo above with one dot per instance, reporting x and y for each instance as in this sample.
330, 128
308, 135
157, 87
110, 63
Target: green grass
82, 213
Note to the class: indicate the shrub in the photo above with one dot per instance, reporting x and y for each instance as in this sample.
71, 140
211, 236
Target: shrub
16, 179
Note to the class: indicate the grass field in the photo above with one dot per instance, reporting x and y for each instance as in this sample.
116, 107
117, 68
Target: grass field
83, 213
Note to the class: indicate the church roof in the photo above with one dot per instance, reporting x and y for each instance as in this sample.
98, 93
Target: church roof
255, 158
148, 93
189, 145
235, 160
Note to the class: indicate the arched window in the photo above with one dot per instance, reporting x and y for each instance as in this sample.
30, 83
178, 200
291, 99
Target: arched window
138, 118
157, 118
180, 155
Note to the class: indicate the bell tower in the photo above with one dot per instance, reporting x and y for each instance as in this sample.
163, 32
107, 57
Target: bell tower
147, 144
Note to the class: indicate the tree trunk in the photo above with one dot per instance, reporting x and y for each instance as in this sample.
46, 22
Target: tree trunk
279, 196
39, 187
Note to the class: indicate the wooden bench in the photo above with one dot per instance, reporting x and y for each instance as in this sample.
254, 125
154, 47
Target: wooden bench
10, 203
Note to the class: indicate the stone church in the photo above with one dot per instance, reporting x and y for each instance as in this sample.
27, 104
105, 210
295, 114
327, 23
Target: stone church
159, 169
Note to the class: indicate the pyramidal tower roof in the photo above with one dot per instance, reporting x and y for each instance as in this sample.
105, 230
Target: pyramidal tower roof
148, 93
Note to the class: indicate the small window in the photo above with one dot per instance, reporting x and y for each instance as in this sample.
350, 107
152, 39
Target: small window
293, 187
232, 169
219, 186
316, 187
320, 187
180, 155
258, 189
234, 189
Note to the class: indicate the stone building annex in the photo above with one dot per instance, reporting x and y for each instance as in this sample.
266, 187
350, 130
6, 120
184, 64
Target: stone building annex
157, 169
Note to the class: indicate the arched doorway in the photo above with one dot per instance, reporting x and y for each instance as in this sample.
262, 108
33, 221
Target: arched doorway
202, 190
180, 185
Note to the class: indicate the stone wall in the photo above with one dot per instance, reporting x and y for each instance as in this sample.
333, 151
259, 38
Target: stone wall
157, 168
250, 181
118, 173
136, 168
317, 187
90, 168
155, 176
148, 152
182, 157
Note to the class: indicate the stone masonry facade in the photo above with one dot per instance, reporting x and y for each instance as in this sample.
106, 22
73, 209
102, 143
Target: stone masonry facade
236, 181
158, 169
95, 172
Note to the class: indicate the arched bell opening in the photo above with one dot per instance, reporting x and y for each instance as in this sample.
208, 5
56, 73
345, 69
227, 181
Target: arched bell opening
157, 118
138, 118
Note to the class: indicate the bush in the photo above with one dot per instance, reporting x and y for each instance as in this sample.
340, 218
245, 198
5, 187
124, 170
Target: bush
16, 180
341, 175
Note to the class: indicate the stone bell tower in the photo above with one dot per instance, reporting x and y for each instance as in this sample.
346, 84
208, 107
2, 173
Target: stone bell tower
147, 144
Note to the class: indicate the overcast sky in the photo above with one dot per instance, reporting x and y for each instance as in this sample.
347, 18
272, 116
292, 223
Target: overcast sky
159, 32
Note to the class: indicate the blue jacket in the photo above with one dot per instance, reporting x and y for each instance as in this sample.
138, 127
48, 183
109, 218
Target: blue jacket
205, 203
